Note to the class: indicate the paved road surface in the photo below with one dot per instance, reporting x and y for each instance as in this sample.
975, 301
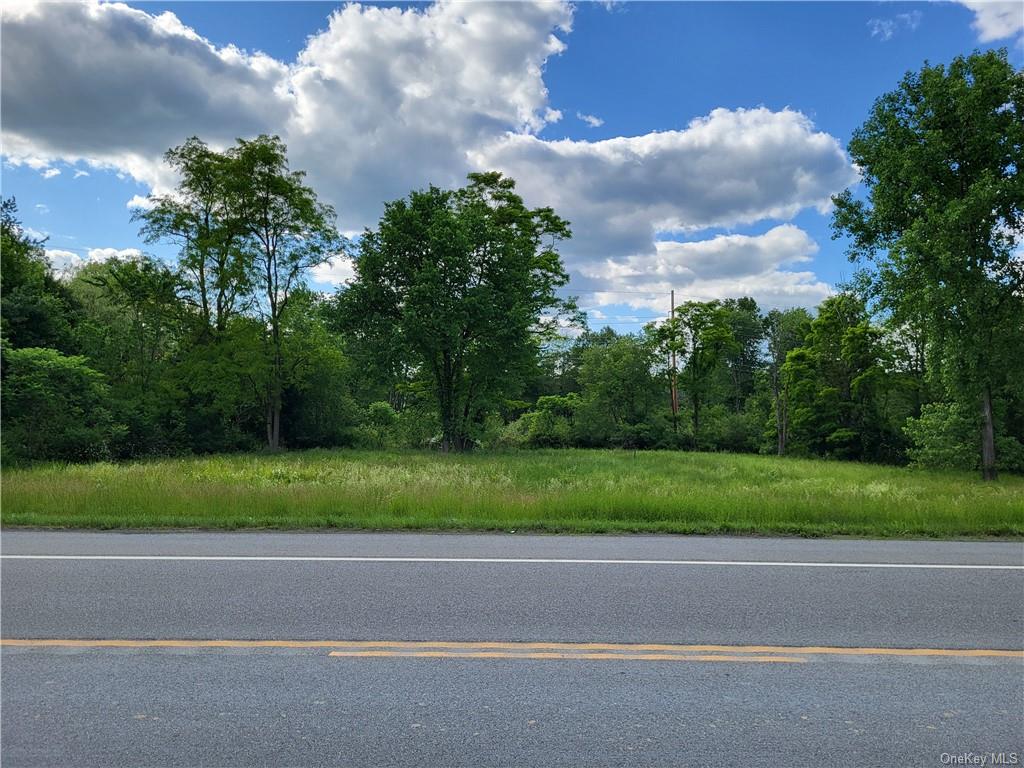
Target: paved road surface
470, 650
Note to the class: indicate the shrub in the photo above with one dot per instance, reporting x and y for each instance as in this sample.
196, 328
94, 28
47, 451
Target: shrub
55, 407
943, 436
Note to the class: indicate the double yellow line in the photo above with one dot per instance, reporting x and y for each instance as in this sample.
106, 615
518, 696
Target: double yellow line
779, 654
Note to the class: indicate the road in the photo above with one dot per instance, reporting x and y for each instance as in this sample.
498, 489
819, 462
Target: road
334, 649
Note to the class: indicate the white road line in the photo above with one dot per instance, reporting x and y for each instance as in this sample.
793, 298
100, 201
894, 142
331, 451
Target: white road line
515, 561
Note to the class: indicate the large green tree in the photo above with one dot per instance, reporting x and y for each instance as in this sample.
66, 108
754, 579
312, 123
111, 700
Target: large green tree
835, 385
941, 220
706, 341
214, 265
621, 393
464, 282
286, 231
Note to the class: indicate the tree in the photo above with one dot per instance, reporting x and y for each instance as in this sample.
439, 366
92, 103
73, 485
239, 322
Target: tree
620, 392
940, 158
201, 217
835, 383
707, 340
286, 231
744, 359
464, 281
145, 290
130, 328
784, 330
35, 308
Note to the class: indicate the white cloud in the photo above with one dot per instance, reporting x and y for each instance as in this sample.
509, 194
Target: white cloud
65, 263
729, 168
49, 173
386, 100
724, 265
994, 20
591, 120
135, 84
62, 262
140, 201
337, 271
80, 173
884, 29
121, 254
42, 209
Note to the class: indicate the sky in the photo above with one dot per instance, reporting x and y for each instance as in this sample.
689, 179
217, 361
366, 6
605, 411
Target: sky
693, 146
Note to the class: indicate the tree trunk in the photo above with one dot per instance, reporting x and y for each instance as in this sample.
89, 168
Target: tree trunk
446, 401
270, 424
780, 426
276, 444
988, 437
696, 420
274, 424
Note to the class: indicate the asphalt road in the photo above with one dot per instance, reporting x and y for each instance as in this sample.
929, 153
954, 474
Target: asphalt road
914, 669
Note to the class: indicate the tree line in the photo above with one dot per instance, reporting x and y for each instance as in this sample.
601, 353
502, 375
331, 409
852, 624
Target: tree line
455, 331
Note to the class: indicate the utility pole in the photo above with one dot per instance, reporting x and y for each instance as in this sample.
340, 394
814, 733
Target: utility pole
674, 394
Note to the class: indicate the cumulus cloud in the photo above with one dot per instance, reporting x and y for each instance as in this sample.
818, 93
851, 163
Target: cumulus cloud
729, 168
385, 100
995, 20
121, 254
49, 173
388, 100
724, 265
65, 263
337, 271
140, 201
134, 83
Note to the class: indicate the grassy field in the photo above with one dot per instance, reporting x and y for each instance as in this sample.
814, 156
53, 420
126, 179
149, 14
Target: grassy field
555, 491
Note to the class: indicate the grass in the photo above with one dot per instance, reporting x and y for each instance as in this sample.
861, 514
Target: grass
558, 491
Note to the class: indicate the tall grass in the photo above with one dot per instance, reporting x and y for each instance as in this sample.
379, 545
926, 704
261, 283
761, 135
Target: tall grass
551, 490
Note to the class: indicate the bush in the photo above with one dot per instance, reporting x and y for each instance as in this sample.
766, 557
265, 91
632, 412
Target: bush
1009, 454
417, 427
727, 430
380, 419
55, 408
943, 436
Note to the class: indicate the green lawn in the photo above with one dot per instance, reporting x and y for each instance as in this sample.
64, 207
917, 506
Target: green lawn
553, 490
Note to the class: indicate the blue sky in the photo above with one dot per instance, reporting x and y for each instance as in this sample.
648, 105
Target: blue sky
590, 108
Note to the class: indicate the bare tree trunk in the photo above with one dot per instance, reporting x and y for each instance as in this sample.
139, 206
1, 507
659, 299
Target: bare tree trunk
270, 423
276, 444
988, 437
273, 420
446, 401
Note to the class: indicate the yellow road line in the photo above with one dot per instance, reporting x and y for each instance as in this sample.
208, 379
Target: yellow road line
576, 648
555, 655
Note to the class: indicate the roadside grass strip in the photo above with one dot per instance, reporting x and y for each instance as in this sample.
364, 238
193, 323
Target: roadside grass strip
550, 491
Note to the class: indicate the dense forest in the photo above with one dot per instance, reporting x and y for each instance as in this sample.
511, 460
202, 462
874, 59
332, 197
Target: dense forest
459, 331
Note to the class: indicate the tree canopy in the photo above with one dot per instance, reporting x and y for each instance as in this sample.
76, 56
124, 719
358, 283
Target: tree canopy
463, 280
942, 220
